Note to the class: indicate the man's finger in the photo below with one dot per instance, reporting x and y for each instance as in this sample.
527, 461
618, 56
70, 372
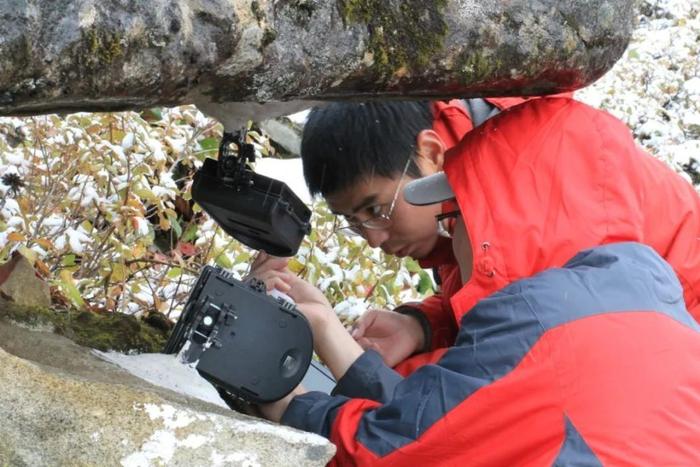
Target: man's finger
266, 262
275, 280
361, 325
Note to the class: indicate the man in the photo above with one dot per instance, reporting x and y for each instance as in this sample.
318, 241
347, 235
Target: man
369, 146
594, 363
545, 179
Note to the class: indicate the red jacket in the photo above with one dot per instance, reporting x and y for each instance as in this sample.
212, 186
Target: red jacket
595, 362
451, 120
544, 180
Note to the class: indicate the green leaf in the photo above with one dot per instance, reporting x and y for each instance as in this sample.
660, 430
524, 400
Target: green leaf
68, 260
425, 284
153, 114
209, 145
243, 257
119, 272
67, 284
412, 266
174, 223
174, 273
224, 261
190, 233
145, 193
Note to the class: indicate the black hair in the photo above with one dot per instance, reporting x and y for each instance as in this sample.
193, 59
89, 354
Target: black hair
344, 142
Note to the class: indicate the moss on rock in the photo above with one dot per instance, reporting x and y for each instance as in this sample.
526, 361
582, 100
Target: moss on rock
269, 35
402, 35
104, 46
477, 65
109, 331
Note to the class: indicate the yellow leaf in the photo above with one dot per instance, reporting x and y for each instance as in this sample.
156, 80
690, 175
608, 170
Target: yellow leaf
295, 266
119, 272
136, 204
164, 223
93, 129
24, 205
138, 250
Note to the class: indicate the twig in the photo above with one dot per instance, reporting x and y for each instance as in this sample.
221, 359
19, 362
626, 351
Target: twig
163, 263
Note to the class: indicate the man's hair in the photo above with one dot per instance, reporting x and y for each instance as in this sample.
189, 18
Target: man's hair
346, 142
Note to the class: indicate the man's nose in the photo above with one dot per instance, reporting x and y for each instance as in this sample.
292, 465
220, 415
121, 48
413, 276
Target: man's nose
375, 237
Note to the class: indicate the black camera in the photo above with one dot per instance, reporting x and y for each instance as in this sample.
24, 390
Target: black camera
259, 211
250, 346
245, 342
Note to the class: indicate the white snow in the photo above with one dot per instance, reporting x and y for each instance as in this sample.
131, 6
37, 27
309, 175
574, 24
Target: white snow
351, 308
289, 171
128, 141
166, 371
76, 239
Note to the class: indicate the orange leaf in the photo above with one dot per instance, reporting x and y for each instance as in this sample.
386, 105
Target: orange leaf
42, 268
45, 243
15, 237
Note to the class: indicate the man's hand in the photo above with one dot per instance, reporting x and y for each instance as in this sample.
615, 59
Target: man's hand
264, 262
331, 341
272, 270
393, 335
310, 300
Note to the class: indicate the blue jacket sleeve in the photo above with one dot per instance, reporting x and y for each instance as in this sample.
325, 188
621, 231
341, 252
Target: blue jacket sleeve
367, 378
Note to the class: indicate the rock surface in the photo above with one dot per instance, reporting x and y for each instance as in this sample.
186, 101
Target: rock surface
19, 283
61, 405
70, 55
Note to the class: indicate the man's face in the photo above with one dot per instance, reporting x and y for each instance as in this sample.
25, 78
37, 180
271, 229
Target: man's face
412, 230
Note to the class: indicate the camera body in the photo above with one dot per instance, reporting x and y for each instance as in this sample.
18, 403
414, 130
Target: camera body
258, 211
246, 343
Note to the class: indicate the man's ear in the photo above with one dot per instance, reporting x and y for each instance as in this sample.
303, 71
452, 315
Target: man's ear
431, 152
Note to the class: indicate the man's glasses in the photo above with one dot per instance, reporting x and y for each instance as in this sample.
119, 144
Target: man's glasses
382, 218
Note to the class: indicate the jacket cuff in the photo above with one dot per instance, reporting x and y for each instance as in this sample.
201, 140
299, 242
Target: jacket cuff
314, 412
368, 378
424, 324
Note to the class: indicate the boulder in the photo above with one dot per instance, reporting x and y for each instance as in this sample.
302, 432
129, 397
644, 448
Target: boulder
102, 55
61, 405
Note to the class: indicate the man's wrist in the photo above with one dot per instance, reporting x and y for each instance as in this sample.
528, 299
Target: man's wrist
336, 347
421, 330
274, 411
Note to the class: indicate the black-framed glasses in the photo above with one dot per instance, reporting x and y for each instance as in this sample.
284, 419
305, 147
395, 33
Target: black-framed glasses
446, 223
